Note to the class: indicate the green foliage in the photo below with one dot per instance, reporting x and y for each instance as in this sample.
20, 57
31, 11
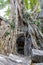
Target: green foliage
33, 3
2, 4
7, 1
30, 4
7, 33
38, 23
12, 25
26, 3
27, 17
8, 11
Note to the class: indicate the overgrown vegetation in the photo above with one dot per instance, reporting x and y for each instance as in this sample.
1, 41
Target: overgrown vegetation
27, 12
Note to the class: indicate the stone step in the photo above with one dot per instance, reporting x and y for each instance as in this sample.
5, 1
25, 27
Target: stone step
37, 55
37, 63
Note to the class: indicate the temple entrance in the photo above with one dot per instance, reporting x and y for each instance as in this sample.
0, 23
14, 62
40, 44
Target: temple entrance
20, 44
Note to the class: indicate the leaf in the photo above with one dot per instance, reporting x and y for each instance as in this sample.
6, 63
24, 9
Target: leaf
12, 25
7, 33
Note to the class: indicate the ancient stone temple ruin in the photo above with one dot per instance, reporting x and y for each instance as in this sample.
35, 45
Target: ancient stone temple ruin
23, 40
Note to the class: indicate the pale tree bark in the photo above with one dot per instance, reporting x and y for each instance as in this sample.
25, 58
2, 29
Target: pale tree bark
14, 18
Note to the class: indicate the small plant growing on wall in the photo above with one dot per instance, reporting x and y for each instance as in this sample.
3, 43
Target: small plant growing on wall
12, 25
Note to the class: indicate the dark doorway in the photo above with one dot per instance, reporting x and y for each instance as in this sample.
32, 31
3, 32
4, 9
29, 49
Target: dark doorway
20, 44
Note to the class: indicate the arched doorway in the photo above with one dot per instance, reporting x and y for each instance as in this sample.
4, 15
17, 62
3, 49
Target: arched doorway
20, 44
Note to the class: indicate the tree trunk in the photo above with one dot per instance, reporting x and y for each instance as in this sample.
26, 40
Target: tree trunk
14, 18
33, 31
